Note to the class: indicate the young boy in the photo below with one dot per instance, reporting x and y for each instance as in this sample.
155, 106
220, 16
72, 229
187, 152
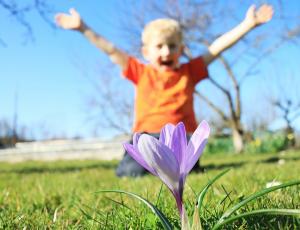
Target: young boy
164, 88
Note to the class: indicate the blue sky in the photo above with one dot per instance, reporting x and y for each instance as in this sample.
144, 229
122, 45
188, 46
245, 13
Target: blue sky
49, 74
50, 88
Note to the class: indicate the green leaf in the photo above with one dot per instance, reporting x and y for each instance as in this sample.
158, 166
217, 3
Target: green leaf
282, 212
196, 220
185, 225
253, 197
152, 207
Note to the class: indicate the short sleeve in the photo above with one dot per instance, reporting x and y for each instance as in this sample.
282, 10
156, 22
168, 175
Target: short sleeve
134, 70
197, 69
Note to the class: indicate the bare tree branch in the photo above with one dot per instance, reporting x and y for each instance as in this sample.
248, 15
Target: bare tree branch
236, 113
19, 12
212, 105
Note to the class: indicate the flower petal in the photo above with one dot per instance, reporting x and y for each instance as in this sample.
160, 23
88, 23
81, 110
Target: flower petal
166, 134
179, 143
194, 158
159, 157
196, 146
134, 153
135, 139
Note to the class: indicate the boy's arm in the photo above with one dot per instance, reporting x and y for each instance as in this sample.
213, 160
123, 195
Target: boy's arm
253, 18
73, 21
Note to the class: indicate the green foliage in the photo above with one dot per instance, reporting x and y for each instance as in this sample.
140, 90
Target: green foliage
267, 143
217, 145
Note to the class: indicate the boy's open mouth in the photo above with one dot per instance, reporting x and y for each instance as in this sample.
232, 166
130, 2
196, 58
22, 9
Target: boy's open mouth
167, 63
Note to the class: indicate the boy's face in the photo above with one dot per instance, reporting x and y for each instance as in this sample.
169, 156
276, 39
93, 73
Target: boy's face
163, 52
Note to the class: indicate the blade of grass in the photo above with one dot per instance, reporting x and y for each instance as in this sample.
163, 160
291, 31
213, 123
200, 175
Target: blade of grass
118, 203
196, 220
88, 216
282, 212
160, 191
156, 211
254, 196
207, 186
92, 209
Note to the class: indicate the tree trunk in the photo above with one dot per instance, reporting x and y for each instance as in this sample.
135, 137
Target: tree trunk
237, 138
290, 141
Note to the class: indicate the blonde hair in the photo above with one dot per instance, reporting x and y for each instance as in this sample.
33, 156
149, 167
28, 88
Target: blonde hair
168, 27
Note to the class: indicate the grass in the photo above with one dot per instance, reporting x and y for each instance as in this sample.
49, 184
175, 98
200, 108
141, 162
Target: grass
54, 195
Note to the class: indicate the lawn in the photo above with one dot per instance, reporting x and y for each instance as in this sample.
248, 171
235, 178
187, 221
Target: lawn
55, 195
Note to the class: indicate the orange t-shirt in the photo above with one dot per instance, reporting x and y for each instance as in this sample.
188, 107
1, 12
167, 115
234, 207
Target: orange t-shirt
164, 97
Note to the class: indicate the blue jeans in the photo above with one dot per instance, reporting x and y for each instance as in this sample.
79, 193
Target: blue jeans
128, 167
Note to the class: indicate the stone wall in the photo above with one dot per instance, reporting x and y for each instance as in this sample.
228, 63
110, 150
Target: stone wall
65, 150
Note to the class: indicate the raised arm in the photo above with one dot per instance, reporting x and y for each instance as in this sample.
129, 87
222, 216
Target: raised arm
253, 19
73, 21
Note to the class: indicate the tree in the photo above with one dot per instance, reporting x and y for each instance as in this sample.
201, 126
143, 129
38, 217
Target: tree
19, 11
110, 104
285, 97
9, 136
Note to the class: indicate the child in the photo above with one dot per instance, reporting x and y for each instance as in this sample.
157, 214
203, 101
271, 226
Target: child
164, 88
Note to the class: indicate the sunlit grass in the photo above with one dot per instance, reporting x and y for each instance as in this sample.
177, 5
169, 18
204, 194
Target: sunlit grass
52, 194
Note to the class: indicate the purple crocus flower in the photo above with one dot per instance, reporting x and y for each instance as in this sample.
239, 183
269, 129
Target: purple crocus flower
170, 158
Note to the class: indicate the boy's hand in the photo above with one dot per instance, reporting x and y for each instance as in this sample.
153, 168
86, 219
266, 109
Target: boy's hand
70, 21
262, 15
